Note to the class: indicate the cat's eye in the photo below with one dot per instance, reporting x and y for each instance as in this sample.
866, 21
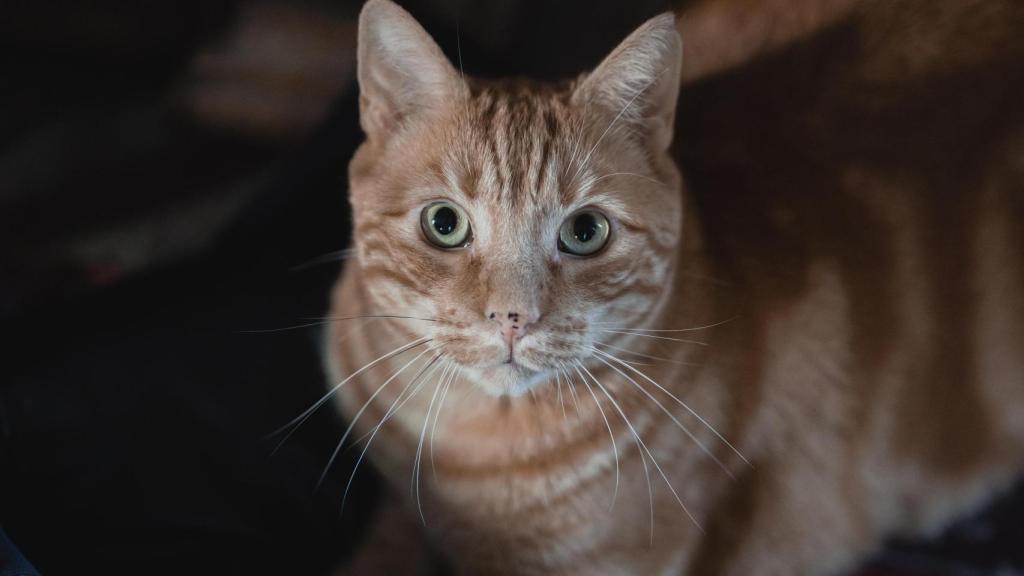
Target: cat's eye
445, 225
584, 233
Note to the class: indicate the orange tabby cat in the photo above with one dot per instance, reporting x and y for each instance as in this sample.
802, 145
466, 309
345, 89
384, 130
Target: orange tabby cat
542, 361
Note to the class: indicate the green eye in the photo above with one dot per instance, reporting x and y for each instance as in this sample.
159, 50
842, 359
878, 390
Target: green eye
445, 225
584, 233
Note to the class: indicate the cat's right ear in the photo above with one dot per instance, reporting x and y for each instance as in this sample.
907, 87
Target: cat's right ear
402, 71
638, 83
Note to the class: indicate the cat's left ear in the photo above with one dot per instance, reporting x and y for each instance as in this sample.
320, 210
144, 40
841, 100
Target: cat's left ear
402, 71
638, 83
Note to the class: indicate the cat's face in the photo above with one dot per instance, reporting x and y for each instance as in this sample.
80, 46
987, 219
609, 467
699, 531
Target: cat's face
523, 222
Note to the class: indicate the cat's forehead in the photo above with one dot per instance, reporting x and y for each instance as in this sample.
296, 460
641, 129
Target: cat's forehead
511, 144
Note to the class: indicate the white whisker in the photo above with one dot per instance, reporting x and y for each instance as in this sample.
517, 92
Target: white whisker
693, 329
663, 409
648, 356
283, 329
335, 256
645, 448
296, 422
572, 389
414, 488
402, 400
639, 447
328, 319
586, 159
384, 316
437, 415
355, 417
577, 138
561, 399
641, 335
458, 47
685, 406
611, 436
422, 378
645, 177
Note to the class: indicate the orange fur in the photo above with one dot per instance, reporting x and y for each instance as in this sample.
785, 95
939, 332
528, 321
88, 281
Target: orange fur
840, 383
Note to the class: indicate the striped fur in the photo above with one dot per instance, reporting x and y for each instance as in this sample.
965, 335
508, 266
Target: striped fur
831, 395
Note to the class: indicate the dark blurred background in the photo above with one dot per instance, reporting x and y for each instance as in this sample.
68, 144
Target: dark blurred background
173, 177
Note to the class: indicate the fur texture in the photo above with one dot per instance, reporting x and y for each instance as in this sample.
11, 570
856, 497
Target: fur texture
682, 401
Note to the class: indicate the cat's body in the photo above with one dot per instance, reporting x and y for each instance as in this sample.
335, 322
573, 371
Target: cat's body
834, 394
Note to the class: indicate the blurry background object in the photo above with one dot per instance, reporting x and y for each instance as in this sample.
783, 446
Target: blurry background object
166, 169
276, 73
133, 135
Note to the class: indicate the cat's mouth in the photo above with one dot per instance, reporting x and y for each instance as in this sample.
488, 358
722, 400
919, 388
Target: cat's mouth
513, 359
501, 369
513, 375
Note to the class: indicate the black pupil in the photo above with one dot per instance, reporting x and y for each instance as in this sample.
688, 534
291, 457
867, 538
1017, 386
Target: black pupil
584, 227
445, 221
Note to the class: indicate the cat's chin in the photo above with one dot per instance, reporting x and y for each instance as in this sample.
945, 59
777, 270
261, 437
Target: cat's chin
508, 379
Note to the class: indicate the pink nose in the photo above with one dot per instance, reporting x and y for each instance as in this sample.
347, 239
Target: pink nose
511, 324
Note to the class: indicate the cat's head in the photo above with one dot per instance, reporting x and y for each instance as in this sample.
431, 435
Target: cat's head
525, 221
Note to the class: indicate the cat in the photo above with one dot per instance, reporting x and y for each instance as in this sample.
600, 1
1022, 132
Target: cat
545, 344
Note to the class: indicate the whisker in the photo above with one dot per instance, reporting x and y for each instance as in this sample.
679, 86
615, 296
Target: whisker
586, 159
577, 139
611, 436
296, 422
320, 321
387, 316
387, 415
644, 176
458, 46
641, 335
648, 356
336, 256
355, 417
685, 406
561, 399
663, 409
693, 329
575, 343
572, 389
414, 488
400, 402
639, 447
646, 449
284, 329
437, 415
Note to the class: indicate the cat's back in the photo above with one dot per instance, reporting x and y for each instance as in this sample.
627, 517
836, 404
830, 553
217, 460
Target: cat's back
860, 197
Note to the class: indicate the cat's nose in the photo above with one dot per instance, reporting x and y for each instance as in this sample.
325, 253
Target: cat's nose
511, 324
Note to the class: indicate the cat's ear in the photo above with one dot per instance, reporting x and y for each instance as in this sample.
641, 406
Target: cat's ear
402, 71
638, 83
